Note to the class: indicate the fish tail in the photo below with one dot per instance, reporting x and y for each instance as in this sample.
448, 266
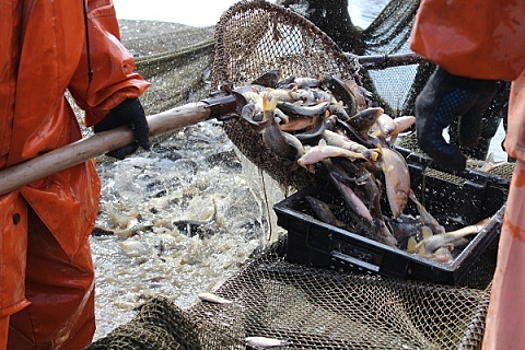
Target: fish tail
269, 105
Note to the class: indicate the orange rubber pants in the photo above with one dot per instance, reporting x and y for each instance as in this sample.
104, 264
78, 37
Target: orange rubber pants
505, 325
61, 292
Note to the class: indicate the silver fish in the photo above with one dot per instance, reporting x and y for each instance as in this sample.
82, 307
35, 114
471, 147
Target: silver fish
338, 110
391, 132
213, 298
397, 179
386, 124
430, 244
304, 82
338, 140
295, 143
285, 95
265, 343
322, 151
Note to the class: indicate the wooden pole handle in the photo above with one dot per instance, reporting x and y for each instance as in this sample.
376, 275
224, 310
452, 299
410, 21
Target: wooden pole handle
80, 151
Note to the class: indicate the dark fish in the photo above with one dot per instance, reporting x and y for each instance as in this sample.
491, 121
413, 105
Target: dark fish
353, 202
313, 133
248, 113
364, 120
366, 185
338, 110
301, 110
322, 211
382, 234
341, 92
404, 227
272, 135
269, 79
354, 135
286, 82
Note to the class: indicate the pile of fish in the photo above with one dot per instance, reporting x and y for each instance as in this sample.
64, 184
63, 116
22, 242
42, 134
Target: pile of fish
327, 126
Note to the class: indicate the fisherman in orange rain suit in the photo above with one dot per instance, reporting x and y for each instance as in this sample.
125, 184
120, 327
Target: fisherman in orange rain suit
474, 44
46, 271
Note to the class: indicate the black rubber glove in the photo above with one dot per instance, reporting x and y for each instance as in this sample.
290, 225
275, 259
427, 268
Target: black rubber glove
129, 112
445, 97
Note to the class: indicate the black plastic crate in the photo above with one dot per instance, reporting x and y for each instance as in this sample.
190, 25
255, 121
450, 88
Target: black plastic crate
455, 200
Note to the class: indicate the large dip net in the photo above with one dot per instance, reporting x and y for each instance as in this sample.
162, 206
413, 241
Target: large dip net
302, 307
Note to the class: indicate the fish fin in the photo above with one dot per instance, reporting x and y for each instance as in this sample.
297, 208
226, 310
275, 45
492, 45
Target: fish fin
426, 232
370, 155
379, 148
322, 145
269, 105
411, 245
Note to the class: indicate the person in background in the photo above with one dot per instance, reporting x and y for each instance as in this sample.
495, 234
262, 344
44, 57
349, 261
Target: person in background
46, 271
471, 55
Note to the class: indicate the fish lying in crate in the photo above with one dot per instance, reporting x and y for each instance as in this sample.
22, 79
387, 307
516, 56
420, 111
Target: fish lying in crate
462, 232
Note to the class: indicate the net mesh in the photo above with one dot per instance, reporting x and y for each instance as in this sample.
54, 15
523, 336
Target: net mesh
309, 308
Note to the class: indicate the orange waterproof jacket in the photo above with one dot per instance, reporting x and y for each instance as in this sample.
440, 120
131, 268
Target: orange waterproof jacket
481, 40
42, 54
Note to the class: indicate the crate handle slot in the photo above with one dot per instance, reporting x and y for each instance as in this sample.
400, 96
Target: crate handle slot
356, 262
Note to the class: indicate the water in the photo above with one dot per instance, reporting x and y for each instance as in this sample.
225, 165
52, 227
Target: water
182, 219
192, 13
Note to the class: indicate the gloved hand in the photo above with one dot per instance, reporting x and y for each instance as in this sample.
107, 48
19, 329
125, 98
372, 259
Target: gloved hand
129, 112
445, 97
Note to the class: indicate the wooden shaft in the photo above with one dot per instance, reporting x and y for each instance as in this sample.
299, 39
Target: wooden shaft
80, 151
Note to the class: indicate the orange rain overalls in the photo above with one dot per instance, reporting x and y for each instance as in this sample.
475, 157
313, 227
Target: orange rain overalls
486, 40
46, 271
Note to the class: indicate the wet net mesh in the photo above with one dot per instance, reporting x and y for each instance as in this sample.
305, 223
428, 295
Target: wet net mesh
309, 308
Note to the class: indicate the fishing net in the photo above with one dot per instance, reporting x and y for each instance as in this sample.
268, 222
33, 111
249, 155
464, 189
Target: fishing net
309, 308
